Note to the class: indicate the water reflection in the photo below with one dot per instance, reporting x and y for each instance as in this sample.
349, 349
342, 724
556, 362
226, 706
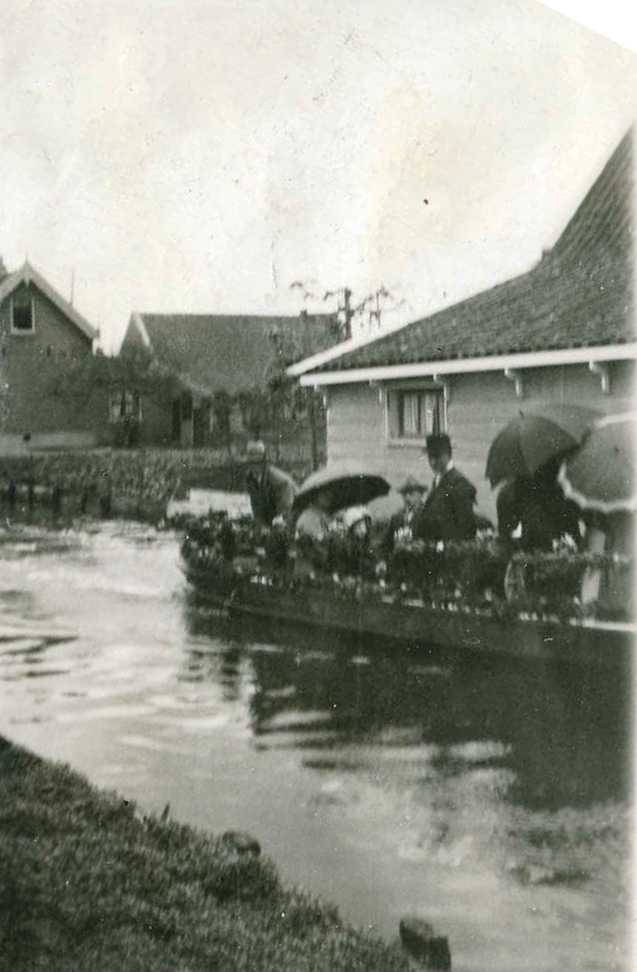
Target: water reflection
491, 765
559, 730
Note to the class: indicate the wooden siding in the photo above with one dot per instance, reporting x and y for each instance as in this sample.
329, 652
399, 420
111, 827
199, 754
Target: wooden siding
479, 405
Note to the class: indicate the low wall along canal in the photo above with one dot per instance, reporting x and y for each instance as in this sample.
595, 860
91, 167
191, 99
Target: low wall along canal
490, 797
134, 483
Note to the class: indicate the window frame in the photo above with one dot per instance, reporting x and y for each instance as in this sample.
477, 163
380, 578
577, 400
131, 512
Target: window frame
22, 331
393, 396
121, 399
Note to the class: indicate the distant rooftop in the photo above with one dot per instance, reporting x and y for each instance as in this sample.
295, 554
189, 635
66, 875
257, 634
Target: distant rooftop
215, 352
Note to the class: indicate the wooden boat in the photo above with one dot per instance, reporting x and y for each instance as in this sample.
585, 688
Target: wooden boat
390, 615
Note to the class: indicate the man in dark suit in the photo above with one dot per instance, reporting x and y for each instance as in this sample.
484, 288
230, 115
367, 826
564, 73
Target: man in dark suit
536, 508
447, 513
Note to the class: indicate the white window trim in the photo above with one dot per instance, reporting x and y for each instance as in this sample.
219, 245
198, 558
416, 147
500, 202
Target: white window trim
20, 331
412, 442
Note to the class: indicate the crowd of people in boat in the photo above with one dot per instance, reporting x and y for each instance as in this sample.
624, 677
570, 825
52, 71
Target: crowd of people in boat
532, 513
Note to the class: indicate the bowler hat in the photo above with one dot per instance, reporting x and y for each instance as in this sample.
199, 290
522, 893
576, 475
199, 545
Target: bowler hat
436, 444
412, 485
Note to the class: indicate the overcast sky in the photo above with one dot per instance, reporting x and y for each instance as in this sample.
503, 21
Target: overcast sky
201, 155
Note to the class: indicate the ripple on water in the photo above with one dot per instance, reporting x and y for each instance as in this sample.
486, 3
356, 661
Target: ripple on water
153, 744
399, 736
178, 701
307, 657
201, 725
290, 721
19, 646
107, 712
429, 671
44, 672
287, 692
12, 628
572, 847
263, 648
479, 751
329, 764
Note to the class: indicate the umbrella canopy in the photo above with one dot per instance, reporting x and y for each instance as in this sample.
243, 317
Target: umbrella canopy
601, 474
535, 437
350, 484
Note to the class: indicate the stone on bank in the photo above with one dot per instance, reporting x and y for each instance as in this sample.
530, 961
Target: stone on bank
420, 940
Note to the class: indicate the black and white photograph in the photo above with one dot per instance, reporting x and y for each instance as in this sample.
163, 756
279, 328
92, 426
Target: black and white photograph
317, 486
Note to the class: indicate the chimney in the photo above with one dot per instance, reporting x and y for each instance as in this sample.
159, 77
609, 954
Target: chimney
3, 270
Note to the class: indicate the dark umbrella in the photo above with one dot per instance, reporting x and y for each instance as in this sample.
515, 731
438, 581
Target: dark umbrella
535, 437
601, 474
350, 484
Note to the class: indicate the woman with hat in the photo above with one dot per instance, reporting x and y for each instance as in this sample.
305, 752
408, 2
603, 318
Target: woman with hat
311, 532
351, 552
400, 525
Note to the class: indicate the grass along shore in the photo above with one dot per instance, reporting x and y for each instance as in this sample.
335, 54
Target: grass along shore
88, 883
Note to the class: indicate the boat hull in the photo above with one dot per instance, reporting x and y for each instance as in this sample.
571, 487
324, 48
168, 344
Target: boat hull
409, 620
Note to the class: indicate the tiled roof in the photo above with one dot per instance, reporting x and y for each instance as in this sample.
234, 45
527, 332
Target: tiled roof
213, 352
27, 274
580, 294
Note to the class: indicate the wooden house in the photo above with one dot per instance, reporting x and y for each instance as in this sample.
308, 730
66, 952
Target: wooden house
42, 338
562, 332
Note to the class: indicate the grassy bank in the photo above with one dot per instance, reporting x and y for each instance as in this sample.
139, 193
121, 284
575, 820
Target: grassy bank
87, 883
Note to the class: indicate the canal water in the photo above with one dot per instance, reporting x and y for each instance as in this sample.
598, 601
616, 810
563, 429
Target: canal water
490, 796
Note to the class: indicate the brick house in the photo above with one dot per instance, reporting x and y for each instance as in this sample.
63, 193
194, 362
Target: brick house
212, 356
41, 336
562, 332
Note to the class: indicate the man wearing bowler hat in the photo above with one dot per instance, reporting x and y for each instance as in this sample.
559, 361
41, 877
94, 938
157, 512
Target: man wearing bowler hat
447, 513
401, 523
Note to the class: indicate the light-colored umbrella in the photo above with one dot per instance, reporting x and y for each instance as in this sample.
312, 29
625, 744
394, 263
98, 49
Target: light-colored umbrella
601, 474
534, 437
350, 484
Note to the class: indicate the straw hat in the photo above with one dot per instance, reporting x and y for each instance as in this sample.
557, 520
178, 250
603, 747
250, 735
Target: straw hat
412, 485
255, 451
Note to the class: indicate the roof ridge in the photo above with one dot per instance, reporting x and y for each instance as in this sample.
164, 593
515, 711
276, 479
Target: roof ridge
234, 316
604, 188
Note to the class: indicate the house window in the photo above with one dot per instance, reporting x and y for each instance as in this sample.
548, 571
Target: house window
125, 405
22, 313
414, 413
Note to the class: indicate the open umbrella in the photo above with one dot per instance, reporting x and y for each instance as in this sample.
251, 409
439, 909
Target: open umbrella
601, 474
350, 484
534, 437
